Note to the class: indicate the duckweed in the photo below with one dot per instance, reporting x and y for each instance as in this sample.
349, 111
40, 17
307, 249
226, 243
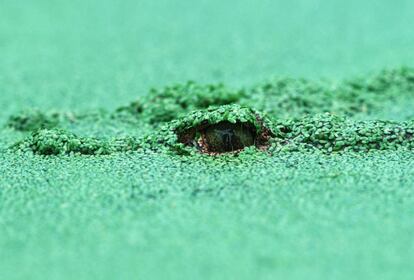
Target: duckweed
172, 102
31, 120
243, 127
60, 142
278, 115
279, 97
187, 119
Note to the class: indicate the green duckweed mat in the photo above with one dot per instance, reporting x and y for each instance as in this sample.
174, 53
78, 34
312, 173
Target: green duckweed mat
101, 103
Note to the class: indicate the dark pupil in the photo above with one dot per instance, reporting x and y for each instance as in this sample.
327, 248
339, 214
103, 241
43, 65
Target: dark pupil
227, 137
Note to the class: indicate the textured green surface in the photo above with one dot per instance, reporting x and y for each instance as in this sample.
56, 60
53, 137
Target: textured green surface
157, 214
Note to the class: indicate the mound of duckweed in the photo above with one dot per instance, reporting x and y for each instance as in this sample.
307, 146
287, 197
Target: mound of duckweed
30, 120
279, 97
61, 142
277, 115
326, 133
292, 98
329, 133
181, 135
56, 141
173, 101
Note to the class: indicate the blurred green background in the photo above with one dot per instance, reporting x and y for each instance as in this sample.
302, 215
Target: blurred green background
156, 217
90, 54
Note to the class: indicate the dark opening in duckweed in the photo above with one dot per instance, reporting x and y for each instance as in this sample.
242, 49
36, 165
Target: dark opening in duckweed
228, 137
217, 130
224, 137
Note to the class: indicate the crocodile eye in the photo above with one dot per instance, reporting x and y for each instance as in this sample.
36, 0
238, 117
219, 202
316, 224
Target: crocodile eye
227, 137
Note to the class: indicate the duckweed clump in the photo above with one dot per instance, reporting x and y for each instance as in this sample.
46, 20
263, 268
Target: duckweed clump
31, 120
57, 141
189, 135
173, 101
329, 133
388, 81
279, 97
48, 142
279, 115
292, 98
183, 135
